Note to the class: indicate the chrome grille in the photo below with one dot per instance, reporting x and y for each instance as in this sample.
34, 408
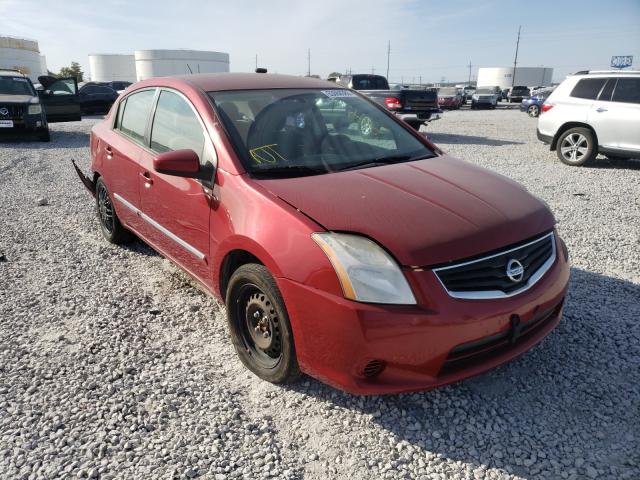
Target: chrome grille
15, 111
487, 277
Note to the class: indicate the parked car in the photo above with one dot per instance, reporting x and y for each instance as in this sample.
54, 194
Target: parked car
118, 85
593, 112
449, 97
95, 98
518, 93
416, 107
484, 97
532, 105
322, 243
27, 111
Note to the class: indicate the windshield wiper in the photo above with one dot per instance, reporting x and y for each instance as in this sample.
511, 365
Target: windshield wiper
376, 162
289, 171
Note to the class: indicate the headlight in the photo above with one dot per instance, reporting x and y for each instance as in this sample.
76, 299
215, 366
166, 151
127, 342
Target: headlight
34, 109
475, 97
366, 272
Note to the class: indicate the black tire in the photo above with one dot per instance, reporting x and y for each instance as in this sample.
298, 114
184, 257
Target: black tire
259, 325
414, 124
533, 111
44, 135
576, 147
110, 225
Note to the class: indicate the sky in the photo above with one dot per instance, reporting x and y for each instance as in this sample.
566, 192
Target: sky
431, 41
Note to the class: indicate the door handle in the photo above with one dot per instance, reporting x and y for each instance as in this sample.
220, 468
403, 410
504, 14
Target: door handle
600, 110
109, 152
148, 181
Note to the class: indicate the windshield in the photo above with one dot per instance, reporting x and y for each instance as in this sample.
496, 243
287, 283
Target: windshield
485, 91
295, 132
16, 86
448, 91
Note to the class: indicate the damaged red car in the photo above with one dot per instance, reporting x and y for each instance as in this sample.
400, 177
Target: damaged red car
376, 264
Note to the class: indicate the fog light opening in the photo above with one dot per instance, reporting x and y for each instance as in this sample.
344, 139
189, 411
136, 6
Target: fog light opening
373, 368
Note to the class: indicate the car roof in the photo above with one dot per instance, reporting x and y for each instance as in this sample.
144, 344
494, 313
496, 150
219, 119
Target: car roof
211, 82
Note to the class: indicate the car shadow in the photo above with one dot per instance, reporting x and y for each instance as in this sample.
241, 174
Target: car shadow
59, 139
140, 247
573, 397
450, 138
614, 164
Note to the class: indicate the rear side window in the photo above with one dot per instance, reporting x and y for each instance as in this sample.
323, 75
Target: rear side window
627, 90
176, 126
136, 112
588, 88
605, 94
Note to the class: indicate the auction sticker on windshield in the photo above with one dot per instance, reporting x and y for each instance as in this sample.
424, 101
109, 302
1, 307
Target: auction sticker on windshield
338, 93
6, 123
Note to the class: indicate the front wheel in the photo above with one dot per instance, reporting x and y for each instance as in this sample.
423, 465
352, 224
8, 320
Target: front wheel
533, 110
576, 147
259, 325
44, 135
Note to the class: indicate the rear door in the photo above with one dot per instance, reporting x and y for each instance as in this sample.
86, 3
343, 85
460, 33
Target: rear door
121, 153
616, 115
177, 208
60, 99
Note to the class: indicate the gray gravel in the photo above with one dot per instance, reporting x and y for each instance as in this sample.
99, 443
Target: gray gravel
114, 366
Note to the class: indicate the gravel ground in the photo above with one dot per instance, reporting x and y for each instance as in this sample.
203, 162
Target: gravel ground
114, 366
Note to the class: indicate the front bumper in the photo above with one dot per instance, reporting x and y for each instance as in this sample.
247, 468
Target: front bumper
22, 125
440, 341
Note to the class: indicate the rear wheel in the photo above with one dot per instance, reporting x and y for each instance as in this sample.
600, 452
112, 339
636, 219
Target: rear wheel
576, 147
414, 124
110, 225
533, 110
259, 325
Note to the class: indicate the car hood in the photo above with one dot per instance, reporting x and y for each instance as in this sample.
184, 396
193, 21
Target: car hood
17, 99
426, 212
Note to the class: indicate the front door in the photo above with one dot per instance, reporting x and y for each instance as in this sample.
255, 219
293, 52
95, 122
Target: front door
176, 208
60, 99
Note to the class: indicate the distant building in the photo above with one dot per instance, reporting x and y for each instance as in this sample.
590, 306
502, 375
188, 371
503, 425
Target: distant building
24, 55
161, 63
107, 67
503, 76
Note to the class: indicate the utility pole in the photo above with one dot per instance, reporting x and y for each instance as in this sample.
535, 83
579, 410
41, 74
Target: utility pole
469, 82
515, 60
256, 61
373, 70
420, 79
388, 55
308, 62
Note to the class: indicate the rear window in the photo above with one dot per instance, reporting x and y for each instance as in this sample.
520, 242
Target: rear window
588, 88
136, 112
627, 90
369, 82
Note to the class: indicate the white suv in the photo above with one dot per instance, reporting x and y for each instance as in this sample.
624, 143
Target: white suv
591, 113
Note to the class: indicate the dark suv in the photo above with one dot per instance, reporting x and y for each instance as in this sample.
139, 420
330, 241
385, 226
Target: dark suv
25, 110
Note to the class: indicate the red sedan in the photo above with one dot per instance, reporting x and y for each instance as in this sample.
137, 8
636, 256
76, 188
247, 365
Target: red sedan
375, 263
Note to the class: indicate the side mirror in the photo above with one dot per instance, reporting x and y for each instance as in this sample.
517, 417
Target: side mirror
48, 93
179, 163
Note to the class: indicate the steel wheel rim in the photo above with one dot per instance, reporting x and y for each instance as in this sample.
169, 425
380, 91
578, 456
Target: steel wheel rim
105, 210
574, 147
259, 326
366, 126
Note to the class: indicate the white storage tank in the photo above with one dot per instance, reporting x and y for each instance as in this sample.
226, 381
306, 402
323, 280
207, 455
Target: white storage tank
108, 67
503, 76
161, 63
21, 54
